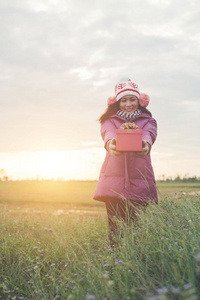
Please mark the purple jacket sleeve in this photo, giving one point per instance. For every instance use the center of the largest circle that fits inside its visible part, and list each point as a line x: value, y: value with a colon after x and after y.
x: 150, y: 131
x: 108, y: 131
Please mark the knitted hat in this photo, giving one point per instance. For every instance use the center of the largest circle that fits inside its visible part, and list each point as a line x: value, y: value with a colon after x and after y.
x: 126, y: 87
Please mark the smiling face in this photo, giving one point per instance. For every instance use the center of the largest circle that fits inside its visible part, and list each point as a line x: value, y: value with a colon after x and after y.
x: 129, y: 103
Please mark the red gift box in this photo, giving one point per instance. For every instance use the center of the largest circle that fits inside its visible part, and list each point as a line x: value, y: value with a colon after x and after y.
x: 129, y: 139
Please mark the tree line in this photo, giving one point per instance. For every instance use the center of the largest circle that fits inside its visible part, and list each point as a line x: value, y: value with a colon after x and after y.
x: 3, y: 175
x: 162, y: 178
x: 179, y: 178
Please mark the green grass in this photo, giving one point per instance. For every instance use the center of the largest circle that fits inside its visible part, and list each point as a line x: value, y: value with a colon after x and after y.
x: 67, y: 193
x: 75, y: 192
x: 172, y: 187
x: 44, y: 255
x: 49, y: 194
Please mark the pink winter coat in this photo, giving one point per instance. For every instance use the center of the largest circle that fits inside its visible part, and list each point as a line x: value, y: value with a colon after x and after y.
x: 127, y: 175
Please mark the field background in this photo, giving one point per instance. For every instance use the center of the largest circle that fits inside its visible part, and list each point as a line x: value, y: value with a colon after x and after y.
x: 69, y: 194
x: 53, y: 244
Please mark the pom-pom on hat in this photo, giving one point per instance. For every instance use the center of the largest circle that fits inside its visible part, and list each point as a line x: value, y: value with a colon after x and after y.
x: 111, y: 100
x: 126, y: 87
x: 144, y: 100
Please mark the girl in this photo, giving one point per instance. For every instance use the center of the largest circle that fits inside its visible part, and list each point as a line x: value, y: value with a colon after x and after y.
x: 126, y: 179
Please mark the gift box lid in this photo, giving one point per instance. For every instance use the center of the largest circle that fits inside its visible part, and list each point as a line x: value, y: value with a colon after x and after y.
x: 129, y: 131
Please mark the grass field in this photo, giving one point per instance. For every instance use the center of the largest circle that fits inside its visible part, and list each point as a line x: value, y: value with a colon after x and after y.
x: 68, y: 194
x: 53, y: 245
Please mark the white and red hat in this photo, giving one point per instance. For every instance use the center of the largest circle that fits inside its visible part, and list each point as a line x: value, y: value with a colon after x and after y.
x: 126, y: 87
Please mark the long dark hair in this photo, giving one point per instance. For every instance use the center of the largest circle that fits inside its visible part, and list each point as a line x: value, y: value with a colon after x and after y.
x: 113, y: 108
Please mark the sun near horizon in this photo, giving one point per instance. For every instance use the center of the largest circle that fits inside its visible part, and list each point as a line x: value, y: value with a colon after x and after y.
x: 81, y: 164
x: 66, y: 165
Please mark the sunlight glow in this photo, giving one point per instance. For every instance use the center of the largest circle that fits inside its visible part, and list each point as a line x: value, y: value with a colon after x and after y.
x: 67, y: 165
x: 85, y: 164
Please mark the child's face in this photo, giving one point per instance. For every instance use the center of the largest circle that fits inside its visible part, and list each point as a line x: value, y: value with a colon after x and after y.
x: 129, y: 103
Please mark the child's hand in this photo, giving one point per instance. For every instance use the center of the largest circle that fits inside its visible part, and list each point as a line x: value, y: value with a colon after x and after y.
x: 124, y: 126
x: 145, y: 149
x: 111, y: 147
x: 129, y: 126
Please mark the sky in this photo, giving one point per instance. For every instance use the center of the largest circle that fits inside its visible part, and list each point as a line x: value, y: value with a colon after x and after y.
x: 60, y: 61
